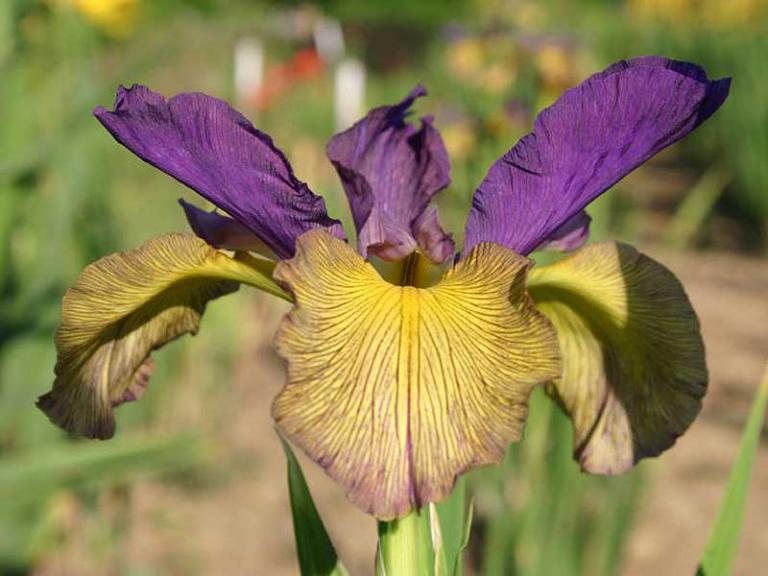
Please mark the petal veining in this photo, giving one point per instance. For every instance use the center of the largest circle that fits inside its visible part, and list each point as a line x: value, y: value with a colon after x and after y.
x: 396, y: 390
x: 123, y: 307
x: 634, y: 369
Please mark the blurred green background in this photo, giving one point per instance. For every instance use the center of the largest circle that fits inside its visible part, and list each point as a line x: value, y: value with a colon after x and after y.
x: 194, y: 481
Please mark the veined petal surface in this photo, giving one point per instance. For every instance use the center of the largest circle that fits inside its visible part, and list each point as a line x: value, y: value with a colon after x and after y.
x: 396, y: 390
x: 207, y: 145
x: 123, y: 307
x: 634, y: 369
x: 390, y: 170
x: 593, y: 136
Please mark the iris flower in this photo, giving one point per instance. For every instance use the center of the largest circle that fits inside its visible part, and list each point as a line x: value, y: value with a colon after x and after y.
x: 397, y: 384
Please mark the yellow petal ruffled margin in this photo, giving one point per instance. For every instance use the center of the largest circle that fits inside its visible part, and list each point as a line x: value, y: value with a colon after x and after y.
x: 396, y: 390
x: 126, y: 305
x: 634, y: 369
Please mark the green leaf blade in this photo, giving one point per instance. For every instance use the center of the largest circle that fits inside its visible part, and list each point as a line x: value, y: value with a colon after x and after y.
x: 449, y: 521
x: 315, y: 551
x: 720, y: 553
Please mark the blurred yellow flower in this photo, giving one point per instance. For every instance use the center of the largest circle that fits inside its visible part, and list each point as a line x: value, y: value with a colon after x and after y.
x: 486, y: 63
x: 530, y: 16
x: 116, y: 18
x: 710, y: 13
x: 523, y: 14
x: 459, y: 139
x: 465, y: 57
x: 555, y: 66
x: 498, y: 77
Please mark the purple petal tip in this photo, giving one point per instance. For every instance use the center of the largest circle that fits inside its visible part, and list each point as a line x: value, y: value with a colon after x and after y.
x: 593, y: 136
x: 391, y: 169
x: 210, y: 147
x: 418, y: 91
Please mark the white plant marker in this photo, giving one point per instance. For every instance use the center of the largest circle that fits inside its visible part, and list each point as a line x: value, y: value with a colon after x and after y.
x: 249, y: 70
x: 349, y: 92
x: 329, y: 40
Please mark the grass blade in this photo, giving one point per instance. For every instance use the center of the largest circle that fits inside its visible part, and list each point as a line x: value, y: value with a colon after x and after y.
x: 317, y: 556
x: 457, y: 570
x: 448, y: 527
x: 723, y: 544
x: 35, y: 474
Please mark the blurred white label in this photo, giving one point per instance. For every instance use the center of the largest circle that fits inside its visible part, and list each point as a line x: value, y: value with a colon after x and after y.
x: 349, y: 92
x: 249, y: 69
x: 329, y: 39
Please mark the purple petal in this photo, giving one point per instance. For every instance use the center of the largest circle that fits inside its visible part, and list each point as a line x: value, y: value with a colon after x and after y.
x: 202, y: 142
x: 222, y: 231
x: 432, y: 237
x: 390, y: 170
x: 570, y: 236
x: 593, y: 136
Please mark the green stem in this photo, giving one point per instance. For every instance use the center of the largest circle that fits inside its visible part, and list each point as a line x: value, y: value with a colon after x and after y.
x: 405, y: 546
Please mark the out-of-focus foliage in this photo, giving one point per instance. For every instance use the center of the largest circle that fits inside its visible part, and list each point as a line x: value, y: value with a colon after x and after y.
x: 538, y: 514
x: 727, y: 38
x: 720, y: 554
x: 60, y: 208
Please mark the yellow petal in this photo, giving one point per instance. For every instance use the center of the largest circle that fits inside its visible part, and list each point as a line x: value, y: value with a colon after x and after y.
x: 634, y: 370
x: 126, y: 305
x: 396, y: 390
